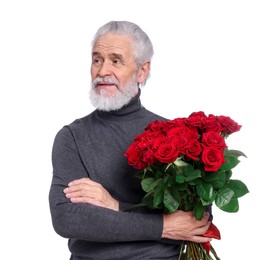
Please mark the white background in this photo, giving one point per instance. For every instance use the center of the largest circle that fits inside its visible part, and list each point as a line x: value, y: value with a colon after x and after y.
x: 216, y: 56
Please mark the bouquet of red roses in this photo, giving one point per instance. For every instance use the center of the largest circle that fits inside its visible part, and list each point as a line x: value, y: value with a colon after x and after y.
x: 185, y: 164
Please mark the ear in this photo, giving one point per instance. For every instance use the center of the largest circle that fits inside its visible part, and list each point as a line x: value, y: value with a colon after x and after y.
x: 143, y: 72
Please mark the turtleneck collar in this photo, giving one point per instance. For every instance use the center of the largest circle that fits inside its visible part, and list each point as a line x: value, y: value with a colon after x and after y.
x: 133, y: 106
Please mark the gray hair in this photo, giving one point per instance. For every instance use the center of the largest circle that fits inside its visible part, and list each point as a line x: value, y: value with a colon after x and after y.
x: 142, y: 49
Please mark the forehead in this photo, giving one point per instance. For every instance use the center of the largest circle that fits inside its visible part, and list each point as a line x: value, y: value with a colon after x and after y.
x: 113, y: 43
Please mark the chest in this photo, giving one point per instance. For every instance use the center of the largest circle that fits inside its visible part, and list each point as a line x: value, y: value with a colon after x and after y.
x: 103, y: 156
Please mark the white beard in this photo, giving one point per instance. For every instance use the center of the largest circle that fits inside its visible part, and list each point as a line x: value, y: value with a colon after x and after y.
x: 117, y: 100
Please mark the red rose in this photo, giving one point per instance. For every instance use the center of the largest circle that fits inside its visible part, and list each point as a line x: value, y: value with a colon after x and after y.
x: 166, y: 153
x: 181, y: 137
x: 154, y: 126
x: 148, y: 157
x: 193, y: 150
x: 180, y: 142
x: 159, y: 126
x: 229, y: 126
x: 178, y: 121
x: 195, y: 119
x: 211, y: 123
x: 157, y: 142
x: 146, y: 140
x: 177, y: 131
x: 193, y: 122
x: 213, y: 139
x: 212, y: 159
x: 197, y: 114
x: 134, y: 156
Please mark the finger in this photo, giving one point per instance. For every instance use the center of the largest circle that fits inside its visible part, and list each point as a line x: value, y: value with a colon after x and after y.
x: 79, y: 181
x: 201, y: 230
x: 86, y: 200
x: 82, y: 184
x: 200, y: 239
x: 203, y: 221
x: 84, y: 191
x: 75, y: 187
x: 76, y: 194
x: 83, y: 181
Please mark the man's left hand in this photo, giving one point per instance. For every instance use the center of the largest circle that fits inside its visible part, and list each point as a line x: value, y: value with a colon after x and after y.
x: 87, y: 191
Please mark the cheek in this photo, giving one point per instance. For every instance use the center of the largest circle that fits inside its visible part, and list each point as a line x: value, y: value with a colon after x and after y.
x: 127, y: 80
x: 126, y: 76
x: 93, y: 73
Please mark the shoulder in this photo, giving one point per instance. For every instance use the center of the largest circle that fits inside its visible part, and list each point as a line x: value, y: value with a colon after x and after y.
x: 153, y: 116
x: 79, y: 125
x: 80, y: 122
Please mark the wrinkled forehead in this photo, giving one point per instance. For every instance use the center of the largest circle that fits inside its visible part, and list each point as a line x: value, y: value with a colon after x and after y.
x: 110, y: 42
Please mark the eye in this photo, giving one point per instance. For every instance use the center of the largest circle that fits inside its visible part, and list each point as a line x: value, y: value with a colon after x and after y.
x: 97, y: 60
x: 117, y: 61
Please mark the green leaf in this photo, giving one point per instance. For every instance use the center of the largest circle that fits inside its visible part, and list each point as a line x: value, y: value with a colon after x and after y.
x: 172, y: 171
x: 182, y: 186
x: 227, y: 200
x: 168, y: 166
x: 199, y: 210
x: 235, y: 153
x: 139, y: 174
x: 149, y: 184
x: 217, y: 179
x: 238, y: 187
x: 209, y: 202
x: 159, y: 174
x: 179, y: 178
x: 228, y: 174
x: 148, y: 200
x: 187, y: 206
x: 230, y: 163
x: 170, y: 203
x: 191, y: 174
x: 205, y: 191
x: 175, y: 193
x: 158, y: 193
x: 179, y: 162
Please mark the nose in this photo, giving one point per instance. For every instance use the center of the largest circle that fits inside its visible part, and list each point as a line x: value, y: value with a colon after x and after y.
x: 104, y: 69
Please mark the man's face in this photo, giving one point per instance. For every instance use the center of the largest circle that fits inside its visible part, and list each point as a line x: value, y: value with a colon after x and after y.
x: 113, y: 70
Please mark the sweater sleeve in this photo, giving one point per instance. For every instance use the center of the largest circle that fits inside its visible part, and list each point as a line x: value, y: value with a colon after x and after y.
x: 86, y: 221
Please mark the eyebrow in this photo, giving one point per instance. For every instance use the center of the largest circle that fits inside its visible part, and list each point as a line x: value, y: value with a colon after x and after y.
x: 111, y: 55
x: 116, y: 55
x: 95, y: 53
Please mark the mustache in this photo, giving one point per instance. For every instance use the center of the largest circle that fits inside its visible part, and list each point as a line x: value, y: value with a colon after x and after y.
x: 108, y: 80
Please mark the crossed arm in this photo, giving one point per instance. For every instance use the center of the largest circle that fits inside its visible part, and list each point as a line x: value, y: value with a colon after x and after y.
x: 78, y: 206
x: 178, y: 225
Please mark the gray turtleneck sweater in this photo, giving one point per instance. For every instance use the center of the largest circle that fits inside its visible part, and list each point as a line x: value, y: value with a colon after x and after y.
x: 94, y: 147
